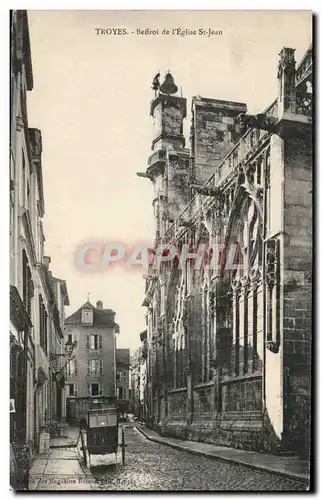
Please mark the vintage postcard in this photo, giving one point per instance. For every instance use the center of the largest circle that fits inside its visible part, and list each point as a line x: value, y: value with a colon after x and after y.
x: 160, y: 250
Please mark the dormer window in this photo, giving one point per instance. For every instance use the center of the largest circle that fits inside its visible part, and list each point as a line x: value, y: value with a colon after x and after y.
x: 87, y: 316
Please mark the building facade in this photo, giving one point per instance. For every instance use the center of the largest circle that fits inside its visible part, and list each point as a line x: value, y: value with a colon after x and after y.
x: 135, y: 383
x: 229, y: 293
x: 58, y: 357
x: 92, y: 372
x: 139, y: 380
x: 123, y: 373
x: 36, y: 325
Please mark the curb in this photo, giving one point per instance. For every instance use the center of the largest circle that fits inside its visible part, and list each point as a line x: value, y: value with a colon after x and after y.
x: 55, y: 446
x: 293, y: 477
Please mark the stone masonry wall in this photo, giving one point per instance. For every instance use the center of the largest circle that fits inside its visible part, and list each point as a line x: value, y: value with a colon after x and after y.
x: 178, y: 180
x: 297, y: 298
x: 176, y: 423
x: 215, y: 131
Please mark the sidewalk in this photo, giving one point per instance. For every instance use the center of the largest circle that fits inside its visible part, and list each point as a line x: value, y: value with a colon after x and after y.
x: 66, y: 442
x: 291, y: 467
x: 61, y: 468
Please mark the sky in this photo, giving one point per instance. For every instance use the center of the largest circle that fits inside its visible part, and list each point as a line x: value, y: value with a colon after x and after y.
x: 91, y: 100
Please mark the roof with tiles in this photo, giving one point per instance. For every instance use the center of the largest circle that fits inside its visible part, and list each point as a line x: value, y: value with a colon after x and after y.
x: 101, y: 317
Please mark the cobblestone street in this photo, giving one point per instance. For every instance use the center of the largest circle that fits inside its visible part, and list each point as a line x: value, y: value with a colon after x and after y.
x: 151, y: 466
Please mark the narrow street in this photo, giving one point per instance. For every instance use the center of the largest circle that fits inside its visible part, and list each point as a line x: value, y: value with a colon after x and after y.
x: 152, y: 466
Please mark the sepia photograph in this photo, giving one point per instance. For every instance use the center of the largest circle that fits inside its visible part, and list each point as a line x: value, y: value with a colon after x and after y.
x: 160, y: 218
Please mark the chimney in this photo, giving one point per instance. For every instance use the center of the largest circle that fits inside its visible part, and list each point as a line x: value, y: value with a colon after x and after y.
x: 99, y: 305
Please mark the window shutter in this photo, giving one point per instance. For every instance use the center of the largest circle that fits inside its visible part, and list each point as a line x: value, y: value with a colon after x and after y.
x: 75, y: 391
x: 88, y: 367
x: 87, y: 345
x: 100, y: 390
x: 100, y: 345
x: 88, y: 389
x: 101, y: 367
x: 41, y: 323
x: 46, y: 332
x: 75, y: 361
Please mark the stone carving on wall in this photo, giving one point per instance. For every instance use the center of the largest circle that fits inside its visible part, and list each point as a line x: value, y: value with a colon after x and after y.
x: 271, y: 263
x: 35, y: 142
x: 272, y: 279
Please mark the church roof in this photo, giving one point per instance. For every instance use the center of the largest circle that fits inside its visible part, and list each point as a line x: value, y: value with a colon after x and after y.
x: 101, y: 317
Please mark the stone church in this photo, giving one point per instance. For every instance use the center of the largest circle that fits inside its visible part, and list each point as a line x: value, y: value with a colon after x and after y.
x: 229, y: 345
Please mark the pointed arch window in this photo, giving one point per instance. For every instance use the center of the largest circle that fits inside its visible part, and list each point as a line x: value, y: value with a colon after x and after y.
x: 249, y: 239
x: 245, y: 304
x: 206, y: 337
x: 179, y: 333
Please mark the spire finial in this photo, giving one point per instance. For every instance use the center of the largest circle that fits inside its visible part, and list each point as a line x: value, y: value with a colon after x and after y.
x: 88, y: 294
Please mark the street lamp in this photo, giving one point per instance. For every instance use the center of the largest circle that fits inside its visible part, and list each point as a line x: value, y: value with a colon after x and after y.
x: 69, y: 349
x: 70, y: 346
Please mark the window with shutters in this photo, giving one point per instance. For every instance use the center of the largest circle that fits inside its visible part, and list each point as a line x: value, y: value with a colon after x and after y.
x: 71, y: 390
x: 96, y: 389
x: 28, y: 287
x: 43, y: 326
x: 23, y: 180
x: 95, y: 367
x: 72, y: 368
x: 87, y: 317
x: 94, y: 342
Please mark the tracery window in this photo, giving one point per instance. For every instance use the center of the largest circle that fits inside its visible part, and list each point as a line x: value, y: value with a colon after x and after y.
x: 205, y: 343
x: 245, y: 308
x: 179, y: 334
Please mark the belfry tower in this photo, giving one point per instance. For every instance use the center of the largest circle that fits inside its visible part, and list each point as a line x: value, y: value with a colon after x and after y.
x: 168, y: 165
